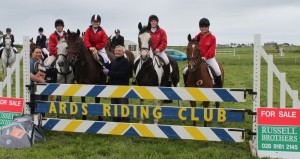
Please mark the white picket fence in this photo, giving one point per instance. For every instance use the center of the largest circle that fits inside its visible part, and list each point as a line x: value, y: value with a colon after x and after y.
x: 22, y: 59
x: 226, y: 52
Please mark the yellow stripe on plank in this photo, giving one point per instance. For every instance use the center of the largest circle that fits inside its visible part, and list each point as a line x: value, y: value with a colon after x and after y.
x: 119, y: 129
x: 144, y: 92
x: 195, y: 133
x: 72, y: 125
x: 120, y: 92
x: 72, y: 90
x: 197, y: 94
x: 143, y: 130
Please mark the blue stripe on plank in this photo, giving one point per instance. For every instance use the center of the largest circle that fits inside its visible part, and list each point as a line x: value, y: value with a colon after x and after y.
x: 169, y: 132
x: 95, y: 91
x: 131, y: 132
x: 132, y: 94
x: 170, y: 93
x: 49, y: 125
x: 225, y: 95
x: 95, y: 127
x: 49, y: 89
x: 223, y: 135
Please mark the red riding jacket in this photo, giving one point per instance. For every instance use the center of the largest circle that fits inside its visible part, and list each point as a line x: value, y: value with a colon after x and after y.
x: 159, y: 39
x: 207, y: 45
x: 97, y: 40
x: 53, y: 41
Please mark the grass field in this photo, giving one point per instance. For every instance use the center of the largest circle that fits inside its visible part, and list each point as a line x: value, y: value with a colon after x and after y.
x: 238, y: 74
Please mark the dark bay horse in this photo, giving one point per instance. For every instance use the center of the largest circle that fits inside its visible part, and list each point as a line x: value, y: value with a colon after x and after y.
x: 198, y: 73
x: 86, y: 69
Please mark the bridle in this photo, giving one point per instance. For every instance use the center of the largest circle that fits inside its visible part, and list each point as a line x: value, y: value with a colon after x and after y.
x: 195, y: 60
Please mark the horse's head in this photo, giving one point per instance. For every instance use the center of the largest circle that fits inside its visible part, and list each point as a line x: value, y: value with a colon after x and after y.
x: 74, y: 43
x: 144, y: 42
x: 193, y: 52
x: 7, y: 43
x: 109, y: 46
x: 62, y: 51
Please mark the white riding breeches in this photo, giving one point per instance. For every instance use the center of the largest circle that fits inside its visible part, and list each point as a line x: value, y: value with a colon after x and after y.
x: 1, y: 47
x: 50, y: 60
x: 215, y: 66
x: 103, y: 53
x: 15, y: 49
x: 45, y: 51
x: 164, y: 57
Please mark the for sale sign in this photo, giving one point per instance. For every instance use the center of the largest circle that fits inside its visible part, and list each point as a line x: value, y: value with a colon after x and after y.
x: 9, y: 108
x: 278, y: 132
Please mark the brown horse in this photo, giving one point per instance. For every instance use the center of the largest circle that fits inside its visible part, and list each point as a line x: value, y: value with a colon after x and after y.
x: 198, y: 73
x: 111, y: 48
x: 86, y: 69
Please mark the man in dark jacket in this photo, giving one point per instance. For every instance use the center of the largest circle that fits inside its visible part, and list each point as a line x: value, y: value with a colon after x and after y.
x: 119, y: 74
x: 118, y: 39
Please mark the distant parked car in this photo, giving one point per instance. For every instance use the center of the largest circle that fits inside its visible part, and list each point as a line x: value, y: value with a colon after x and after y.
x: 177, y: 55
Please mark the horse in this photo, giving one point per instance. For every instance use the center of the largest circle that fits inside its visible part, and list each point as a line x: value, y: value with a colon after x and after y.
x: 86, y: 69
x: 198, y: 71
x: 8, y: 56
x: 64, y: 70
x: 111, y: 48
x: 149, y: 67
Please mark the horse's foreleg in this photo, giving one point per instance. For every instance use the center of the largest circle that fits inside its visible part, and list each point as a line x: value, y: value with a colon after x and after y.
x: 58, y: 98
x: 142, y: 101
x: 193, y: 104
x: 97, y: 100
x: 205, y: 105
x: 83, y: 101
x: 71, y: 100
x: 217, y: 104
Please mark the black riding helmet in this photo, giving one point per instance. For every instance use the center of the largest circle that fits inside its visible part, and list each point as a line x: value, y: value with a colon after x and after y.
x: 41, y: 29
x: 153, y: 17
x: 8, y: 30
x: 96, y: 18
x: 204, y: 22
x: 59, y: 22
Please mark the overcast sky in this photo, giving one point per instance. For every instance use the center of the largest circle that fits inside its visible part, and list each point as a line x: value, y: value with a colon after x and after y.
x: 232, y: 21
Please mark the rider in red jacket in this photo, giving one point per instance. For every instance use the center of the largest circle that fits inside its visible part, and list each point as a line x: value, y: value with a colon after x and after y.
x: 53, y: 40
x: 159, y: 44
x: 208, y: 48
x: 95, y: 38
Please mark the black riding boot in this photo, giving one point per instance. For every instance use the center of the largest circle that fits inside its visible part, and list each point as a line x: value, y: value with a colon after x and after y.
x: 1, y: 52
x: 167, y: 79
x: 218, y: 81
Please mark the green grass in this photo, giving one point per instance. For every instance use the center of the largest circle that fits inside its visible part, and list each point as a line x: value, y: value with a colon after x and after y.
x: 238, y: 74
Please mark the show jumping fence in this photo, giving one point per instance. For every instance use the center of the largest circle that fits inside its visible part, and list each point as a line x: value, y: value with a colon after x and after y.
x: 22, y: 61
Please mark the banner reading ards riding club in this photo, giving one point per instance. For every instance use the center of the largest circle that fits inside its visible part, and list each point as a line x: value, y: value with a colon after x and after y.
x: 9, y: 108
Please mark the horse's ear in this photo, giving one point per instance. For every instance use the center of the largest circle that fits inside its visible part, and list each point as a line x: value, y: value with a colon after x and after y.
x: 78, y: 32
x: 140, y: 26
x: 189, y: 38
x: 68, y: 32
x: 198, y: 38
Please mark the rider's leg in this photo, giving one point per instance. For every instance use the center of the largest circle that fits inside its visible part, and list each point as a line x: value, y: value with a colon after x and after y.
x: 103, y: 53
x: 215, y: 66
x: 15, y: 49
x: 45, y: 51
x: 166, y: 68
x: 51, y: 59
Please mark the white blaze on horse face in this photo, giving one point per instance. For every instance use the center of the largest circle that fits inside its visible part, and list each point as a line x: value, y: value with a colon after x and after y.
x: 62, y: 50
x: 145, y: 38
x: 193, y: 46
x: 144, y: 54
x: 7, y: 43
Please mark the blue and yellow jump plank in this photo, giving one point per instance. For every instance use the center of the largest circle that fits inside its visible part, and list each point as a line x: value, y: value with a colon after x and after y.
x: 141, y: 92
x: 146, y: 130
x: 142, y: 111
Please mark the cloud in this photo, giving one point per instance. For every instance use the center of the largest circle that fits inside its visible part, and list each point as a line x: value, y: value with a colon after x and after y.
x: 231, y: 21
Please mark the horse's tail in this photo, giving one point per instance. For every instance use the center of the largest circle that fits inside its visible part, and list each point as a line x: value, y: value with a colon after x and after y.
x: 175, y: 77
